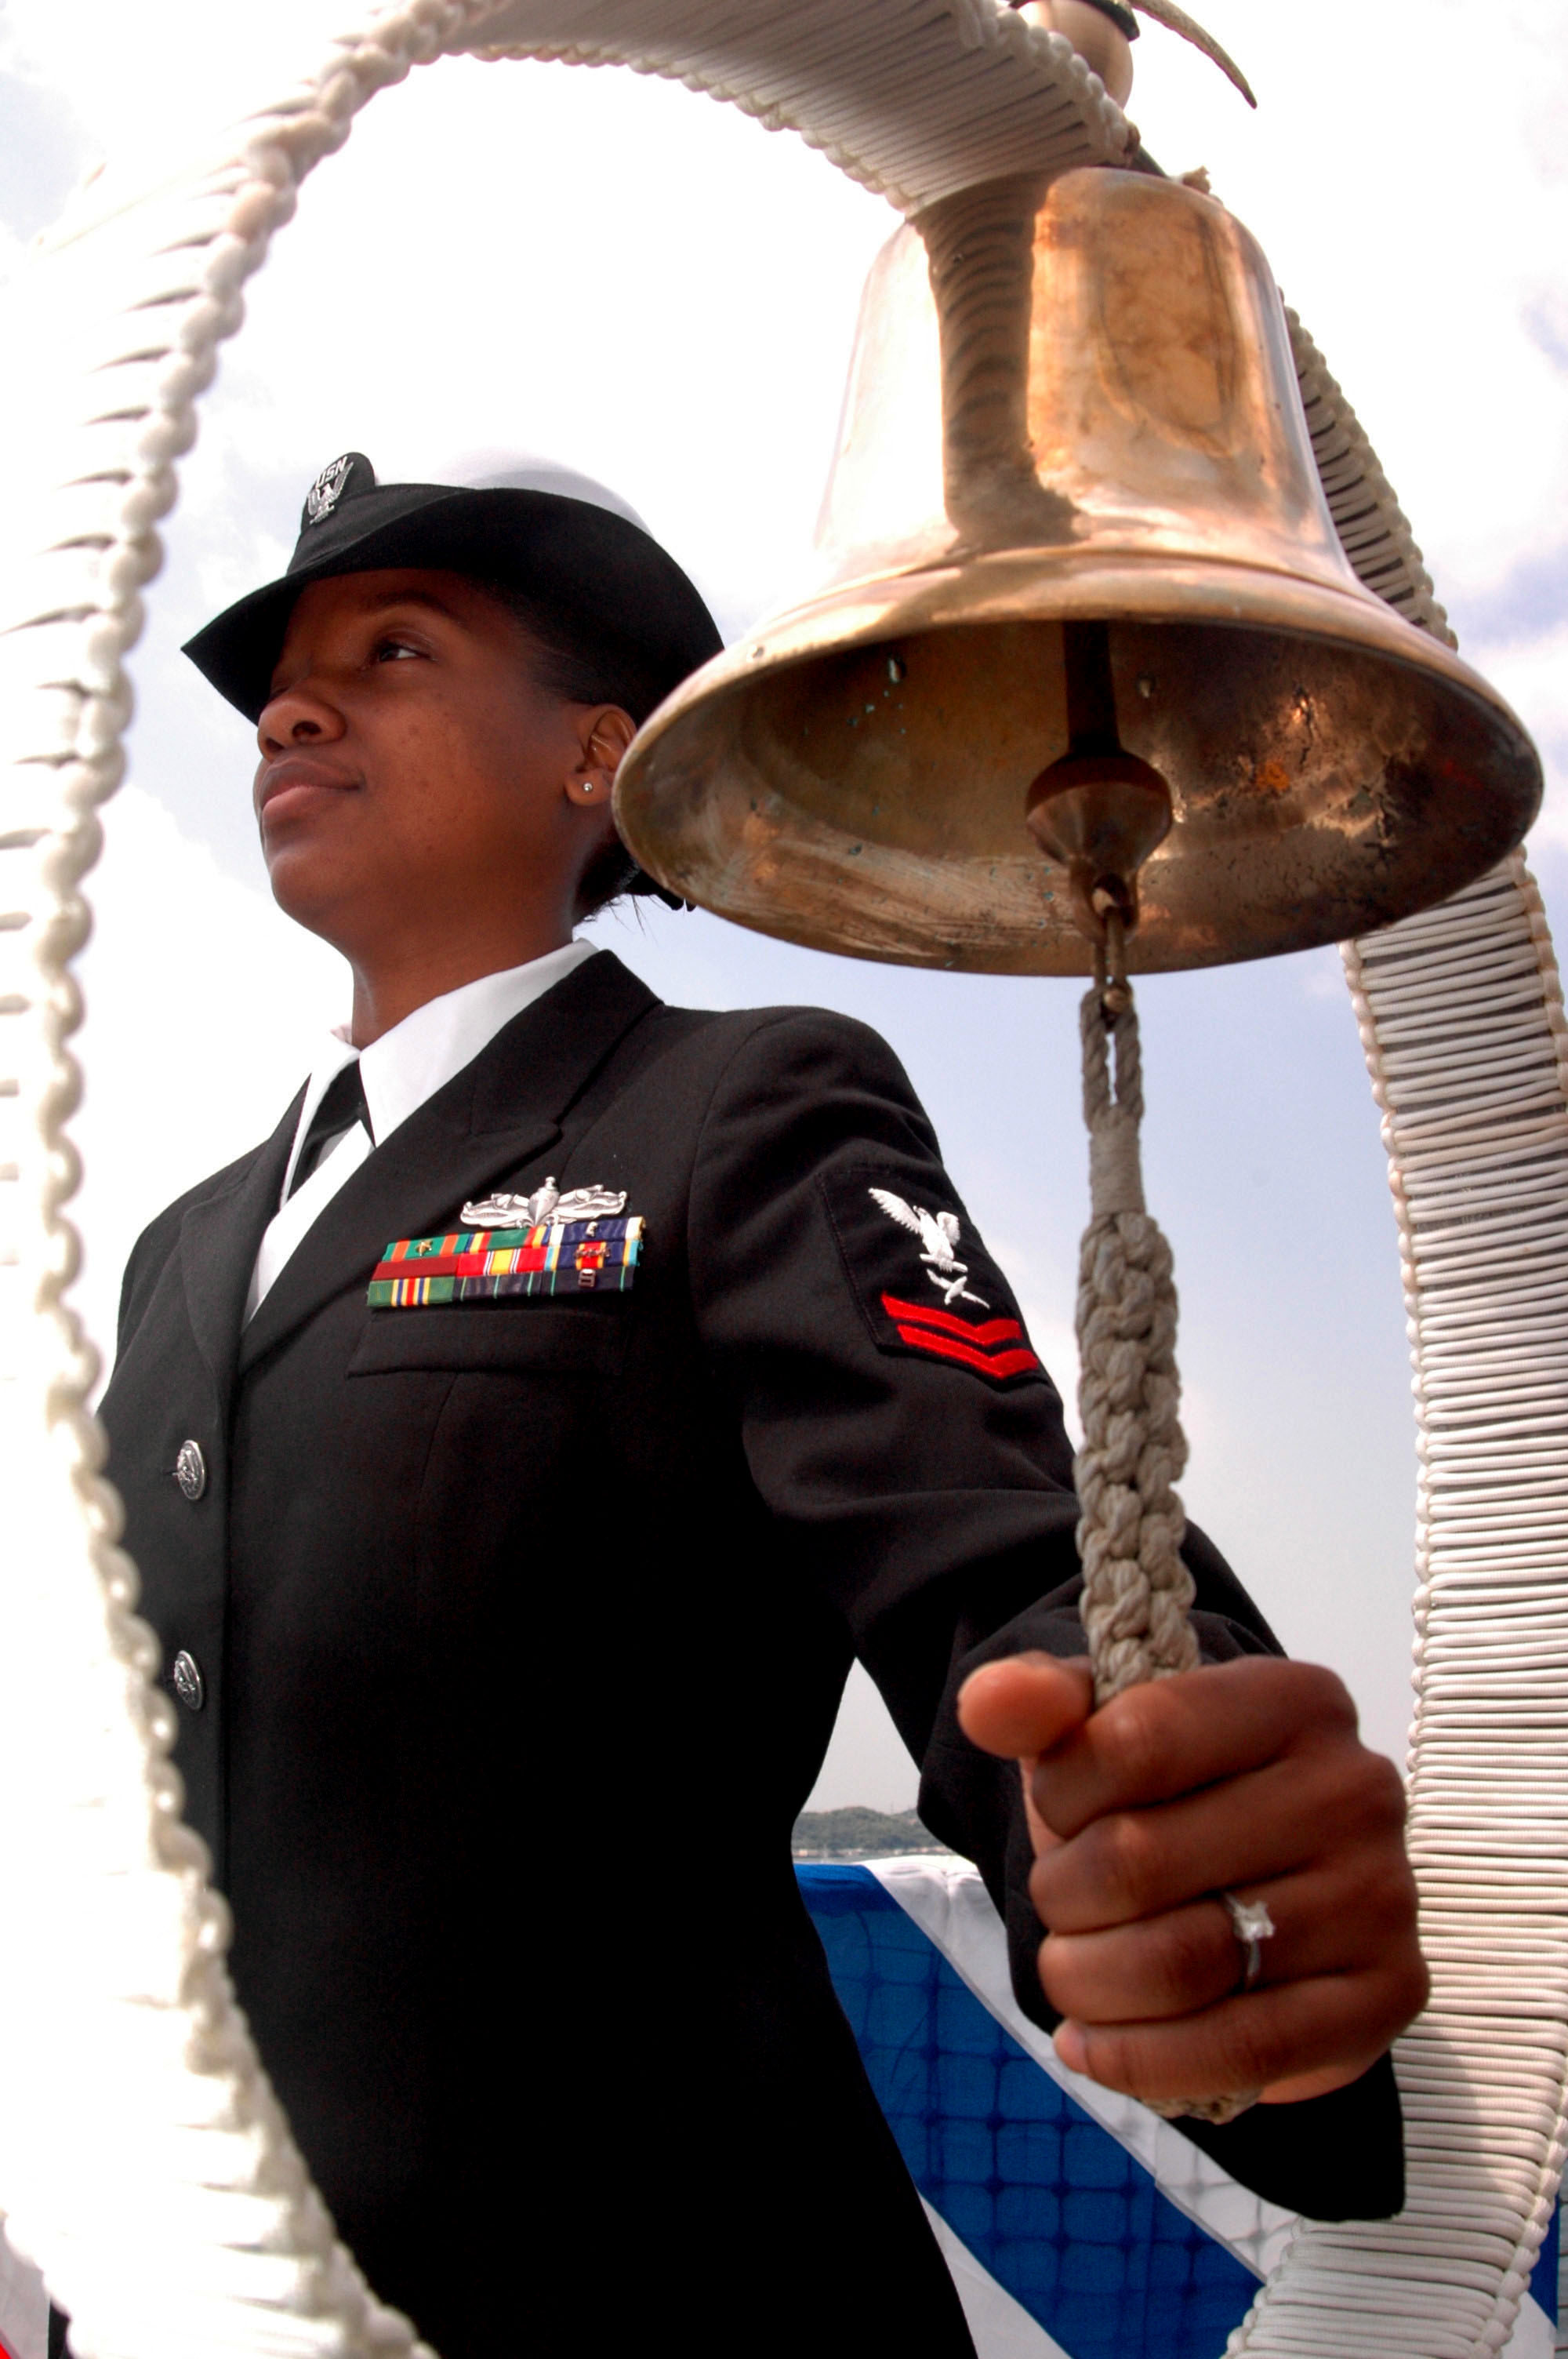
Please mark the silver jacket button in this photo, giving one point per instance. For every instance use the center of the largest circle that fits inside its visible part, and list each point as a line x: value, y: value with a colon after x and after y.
x: 188, y: 1684
x: 190, y: 1470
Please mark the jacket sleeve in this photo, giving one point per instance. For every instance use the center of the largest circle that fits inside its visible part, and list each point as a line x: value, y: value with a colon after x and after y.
x: 897, y: 1424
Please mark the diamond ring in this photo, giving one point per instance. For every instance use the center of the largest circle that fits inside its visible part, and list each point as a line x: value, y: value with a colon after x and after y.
x: 1252, y: 1925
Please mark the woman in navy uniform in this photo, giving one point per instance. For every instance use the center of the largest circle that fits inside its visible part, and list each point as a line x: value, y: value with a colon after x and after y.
x: 523, y: 1441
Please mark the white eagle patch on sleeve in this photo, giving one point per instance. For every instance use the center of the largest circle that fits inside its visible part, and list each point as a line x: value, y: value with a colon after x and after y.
x: 938, y: 1233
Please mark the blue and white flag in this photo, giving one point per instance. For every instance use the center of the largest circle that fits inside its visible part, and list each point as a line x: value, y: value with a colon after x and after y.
x: 1076, y: 2224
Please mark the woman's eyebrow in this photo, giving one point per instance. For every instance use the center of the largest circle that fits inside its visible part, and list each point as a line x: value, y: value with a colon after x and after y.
x: 404, y: 600
x: 413, y: 598
x: 382, y: 607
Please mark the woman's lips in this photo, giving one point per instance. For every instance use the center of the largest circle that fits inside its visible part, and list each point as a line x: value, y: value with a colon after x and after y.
x: 290, y: 789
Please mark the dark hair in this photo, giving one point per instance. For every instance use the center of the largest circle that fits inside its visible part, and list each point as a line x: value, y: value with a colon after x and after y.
x: 581, y: 665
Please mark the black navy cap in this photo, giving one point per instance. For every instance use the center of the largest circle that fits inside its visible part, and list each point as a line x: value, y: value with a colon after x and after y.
x: 539, y: 529
x: 532, y: 527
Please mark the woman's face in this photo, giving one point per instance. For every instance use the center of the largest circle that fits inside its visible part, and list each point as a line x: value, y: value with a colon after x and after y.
x: 416, y: 781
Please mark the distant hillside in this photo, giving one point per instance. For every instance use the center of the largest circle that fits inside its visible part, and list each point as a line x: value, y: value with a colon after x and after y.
x: 861, y: 1834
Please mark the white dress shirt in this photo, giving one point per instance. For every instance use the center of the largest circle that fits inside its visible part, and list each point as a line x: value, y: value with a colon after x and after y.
x: 397, y: 1074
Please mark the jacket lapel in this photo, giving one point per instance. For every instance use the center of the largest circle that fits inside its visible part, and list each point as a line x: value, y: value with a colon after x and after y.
x: 219, y: 1239
x: 496, y: 1116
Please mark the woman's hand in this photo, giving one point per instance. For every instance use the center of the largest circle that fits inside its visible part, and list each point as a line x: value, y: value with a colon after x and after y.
x: 1246, y: 1777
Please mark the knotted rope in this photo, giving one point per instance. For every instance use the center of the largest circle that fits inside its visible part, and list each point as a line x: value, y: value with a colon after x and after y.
x: 1136, y: 1590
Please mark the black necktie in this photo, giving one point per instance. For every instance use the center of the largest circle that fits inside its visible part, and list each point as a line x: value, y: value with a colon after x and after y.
x: 342, y: 1105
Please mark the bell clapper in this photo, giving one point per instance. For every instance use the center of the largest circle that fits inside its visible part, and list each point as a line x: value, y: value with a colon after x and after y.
x: 1110, y: 953
x: 1099, y: 812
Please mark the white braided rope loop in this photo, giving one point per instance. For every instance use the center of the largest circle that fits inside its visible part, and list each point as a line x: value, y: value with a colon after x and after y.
x: 913, y: 98
x: 1372, y: 527
x: 1461, y: 1016
x: 1137, y: 1591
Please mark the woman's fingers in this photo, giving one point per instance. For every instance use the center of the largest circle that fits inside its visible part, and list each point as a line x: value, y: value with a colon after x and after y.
x: 1246, y: 1777
x: 1331, y: 2026
x: 1025, y: 1705
x: 1169, y: 1737
x: 1326, y: 1922
x: 1329, y: 1801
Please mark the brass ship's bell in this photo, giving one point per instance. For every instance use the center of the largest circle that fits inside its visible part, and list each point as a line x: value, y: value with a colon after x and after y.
x: 1075, y: 531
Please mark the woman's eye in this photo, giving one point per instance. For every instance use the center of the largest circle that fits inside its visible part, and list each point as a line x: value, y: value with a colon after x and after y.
x: 391, y: 650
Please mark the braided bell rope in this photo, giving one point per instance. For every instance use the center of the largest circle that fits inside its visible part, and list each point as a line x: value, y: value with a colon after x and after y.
x: 143, y: 2160
x: 1136, y: 1590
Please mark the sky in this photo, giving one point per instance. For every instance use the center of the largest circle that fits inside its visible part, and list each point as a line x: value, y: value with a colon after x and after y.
x: 647, y: 286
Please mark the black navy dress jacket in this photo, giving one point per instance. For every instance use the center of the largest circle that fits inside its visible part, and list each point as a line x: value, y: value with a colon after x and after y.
x: 522, y: 1627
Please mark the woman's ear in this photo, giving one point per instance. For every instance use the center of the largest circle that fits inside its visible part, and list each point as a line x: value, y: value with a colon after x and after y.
x: 607, y: 730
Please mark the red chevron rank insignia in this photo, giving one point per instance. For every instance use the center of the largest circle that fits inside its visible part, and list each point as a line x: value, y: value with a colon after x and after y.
x: 997, y: 1348
x: 924, y: 1283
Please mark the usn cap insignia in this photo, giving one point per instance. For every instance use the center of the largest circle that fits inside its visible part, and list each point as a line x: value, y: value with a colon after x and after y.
x: 923, y: 1285
x: 550, y: 1257
x: 351, y: 471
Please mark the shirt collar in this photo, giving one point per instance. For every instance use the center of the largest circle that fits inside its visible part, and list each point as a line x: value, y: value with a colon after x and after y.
x: 419, y: 1056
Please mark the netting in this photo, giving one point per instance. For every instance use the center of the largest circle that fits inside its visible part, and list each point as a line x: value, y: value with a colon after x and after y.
x: 1116, y: 2242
